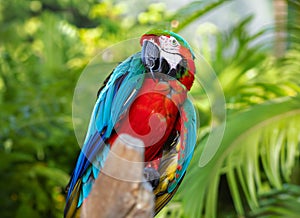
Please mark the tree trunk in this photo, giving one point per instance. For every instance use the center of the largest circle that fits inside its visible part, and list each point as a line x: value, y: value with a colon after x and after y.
x: 280, y: 13
x: 120, y: 189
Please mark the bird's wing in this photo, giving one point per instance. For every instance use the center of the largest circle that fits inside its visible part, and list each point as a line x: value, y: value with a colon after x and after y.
x: 175, y: 161
x: 113, y: 99
x: 187, y: 142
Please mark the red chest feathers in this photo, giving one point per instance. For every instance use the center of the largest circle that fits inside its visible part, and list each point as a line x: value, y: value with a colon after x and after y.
x: 153, y: 114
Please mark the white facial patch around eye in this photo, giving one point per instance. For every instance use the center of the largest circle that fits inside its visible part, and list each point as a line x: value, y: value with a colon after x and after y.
x: 172, y: 59
x: 169, y: 44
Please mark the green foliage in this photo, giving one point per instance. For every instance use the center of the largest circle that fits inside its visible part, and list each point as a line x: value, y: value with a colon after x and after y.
x: 279, y: 203
x: 191, y: 12
x: 247, y: 72
x: 44, y: 47
x: 258, y: 156
x: 251, y: 137
x: 42, y: 55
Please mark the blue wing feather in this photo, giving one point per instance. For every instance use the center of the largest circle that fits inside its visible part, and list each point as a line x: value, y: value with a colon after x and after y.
x: 188, y: 137
x: 191, y: 132
x: 112, y: 101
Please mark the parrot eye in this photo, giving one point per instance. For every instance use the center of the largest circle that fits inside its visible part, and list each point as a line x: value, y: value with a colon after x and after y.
x: 174, y: 42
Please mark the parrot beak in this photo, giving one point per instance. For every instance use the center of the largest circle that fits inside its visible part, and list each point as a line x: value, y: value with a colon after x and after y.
x: 151, y: 56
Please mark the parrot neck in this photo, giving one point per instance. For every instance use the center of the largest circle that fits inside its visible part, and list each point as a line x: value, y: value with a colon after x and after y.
x: 188, y: 77
x: 187, y: 80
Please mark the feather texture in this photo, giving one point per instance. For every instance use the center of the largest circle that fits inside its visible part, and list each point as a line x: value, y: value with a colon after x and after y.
x: 152, y: 106
x: 109, y: 106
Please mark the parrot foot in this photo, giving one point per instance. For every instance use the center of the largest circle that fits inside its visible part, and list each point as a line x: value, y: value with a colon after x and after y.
x: 152, y: 176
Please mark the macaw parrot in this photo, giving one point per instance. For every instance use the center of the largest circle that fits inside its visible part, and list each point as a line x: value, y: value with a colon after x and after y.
x: 145, y: 96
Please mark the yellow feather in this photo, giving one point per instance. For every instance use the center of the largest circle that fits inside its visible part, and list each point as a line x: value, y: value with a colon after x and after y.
x: 72, y: 210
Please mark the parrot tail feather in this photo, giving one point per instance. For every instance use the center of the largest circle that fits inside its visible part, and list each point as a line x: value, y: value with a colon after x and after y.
x: 162, y: 199
x: 71, y: 210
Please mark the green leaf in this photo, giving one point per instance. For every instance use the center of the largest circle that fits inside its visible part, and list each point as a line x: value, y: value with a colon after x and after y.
x: 193, y: 11
x: 240, y: 126
x: 60, y: 177
x: 11, y: 159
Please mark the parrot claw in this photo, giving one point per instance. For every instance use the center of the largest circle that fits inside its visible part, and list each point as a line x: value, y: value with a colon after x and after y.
x: 152, y: 176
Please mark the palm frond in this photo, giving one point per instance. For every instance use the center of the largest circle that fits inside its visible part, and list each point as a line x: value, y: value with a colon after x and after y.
x: 256, y: 154
x: 188, y: 14
x: 279, y: 203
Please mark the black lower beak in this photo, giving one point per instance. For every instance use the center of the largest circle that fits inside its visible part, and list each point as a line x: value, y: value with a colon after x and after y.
x: 151, y: 56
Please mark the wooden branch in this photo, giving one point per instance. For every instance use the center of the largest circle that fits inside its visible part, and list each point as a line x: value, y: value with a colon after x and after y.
x: 120, y: 190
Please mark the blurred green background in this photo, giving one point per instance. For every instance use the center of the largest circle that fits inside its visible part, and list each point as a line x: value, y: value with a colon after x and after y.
x: 253, y: 49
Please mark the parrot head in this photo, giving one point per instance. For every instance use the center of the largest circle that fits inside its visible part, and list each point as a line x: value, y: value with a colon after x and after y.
x: 168, y: 53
